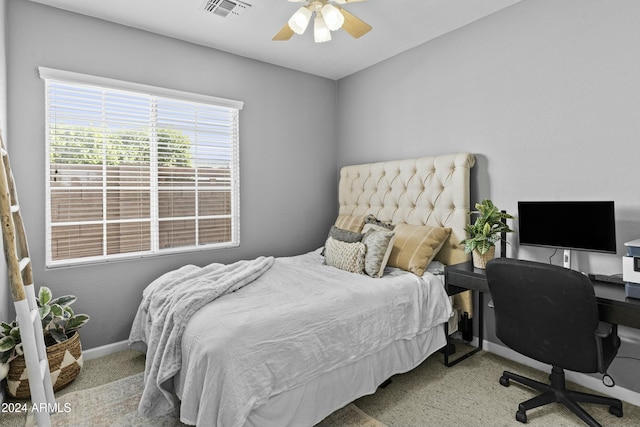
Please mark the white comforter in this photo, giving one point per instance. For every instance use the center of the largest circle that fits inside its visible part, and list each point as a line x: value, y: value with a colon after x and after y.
x: 168, y: 304
x: 297, y: 321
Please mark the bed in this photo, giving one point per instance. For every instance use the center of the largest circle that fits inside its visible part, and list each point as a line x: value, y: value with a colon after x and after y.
x: 288, y: 341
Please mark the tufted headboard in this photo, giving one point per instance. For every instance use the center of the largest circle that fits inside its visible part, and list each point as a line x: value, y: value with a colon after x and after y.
x: 424, y: 191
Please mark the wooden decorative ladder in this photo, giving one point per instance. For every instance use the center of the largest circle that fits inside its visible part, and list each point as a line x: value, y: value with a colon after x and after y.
x: 16, y: 253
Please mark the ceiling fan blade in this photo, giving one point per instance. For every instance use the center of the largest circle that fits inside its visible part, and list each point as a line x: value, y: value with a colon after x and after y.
x: 284, y: 34
x: 341, y: 1
x: 354, y: 25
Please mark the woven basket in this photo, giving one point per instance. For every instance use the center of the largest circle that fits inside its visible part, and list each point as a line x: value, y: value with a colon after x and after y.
x: 65, y: 363
x: 481, y: 260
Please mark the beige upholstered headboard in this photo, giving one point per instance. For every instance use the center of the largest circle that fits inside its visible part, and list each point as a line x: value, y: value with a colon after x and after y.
x: 424, y: 191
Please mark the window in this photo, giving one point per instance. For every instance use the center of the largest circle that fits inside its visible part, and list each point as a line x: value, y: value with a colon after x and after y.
x: 135, y: 170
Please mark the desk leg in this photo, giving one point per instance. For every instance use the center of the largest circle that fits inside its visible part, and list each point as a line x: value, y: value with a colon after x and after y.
x: 449, y: 363
x: 480, y: 320
x: 447, y: 346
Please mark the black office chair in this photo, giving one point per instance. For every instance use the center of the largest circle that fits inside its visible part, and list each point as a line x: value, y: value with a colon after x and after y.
x: 550, y: 314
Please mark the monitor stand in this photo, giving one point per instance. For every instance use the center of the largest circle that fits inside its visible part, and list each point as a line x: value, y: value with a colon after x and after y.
x: 566, y: 259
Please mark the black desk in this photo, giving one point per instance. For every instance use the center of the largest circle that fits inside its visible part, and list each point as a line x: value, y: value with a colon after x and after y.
x: 613, y: 304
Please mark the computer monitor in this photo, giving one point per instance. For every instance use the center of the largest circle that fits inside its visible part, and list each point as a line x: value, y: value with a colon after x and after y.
x: 568, y: 225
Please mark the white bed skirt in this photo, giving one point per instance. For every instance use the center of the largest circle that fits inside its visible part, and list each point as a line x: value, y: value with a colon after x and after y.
x: 311, y: 403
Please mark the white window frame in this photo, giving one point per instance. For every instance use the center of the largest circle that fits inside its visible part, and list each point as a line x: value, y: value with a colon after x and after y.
x: 154, y: 91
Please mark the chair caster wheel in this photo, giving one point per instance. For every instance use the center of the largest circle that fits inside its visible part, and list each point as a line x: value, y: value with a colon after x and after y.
x: 504, y: 381
x: 521, y: 417
x: 614, y: 410
x: 608, y: 381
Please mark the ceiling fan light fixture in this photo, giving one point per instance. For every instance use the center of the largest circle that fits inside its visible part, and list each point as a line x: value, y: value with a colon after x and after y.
x: 329, y: 16
x: 321, y: 32
x: 332, y: 16
x: 300, y: 20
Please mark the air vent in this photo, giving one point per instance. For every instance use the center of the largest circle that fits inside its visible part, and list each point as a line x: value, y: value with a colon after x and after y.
x: 225, y: 8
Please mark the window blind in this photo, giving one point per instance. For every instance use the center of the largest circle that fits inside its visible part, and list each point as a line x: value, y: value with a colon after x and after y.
x: 136, y: 172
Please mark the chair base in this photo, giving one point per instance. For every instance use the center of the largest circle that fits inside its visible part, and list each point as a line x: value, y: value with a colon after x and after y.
x: 556, y: 391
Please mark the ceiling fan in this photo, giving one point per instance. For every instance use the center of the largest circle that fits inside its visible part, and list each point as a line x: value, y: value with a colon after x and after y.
x: 329, y: 17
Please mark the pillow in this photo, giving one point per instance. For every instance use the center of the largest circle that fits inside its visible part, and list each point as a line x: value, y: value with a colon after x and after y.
x: 415, y: 246
x: 345, y: 235
x: 379, y: 243
x: 345, y: 256
x: 370, y: 219
x: 350, y: 222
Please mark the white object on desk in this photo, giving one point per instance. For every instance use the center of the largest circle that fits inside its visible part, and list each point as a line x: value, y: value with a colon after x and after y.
x: 630, y: 269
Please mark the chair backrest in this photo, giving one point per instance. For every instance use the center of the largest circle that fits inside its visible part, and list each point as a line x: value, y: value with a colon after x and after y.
x: 545, y: 312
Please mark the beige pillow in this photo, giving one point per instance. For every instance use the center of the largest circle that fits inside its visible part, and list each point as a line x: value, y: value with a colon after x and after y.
x: 350, y: 222
x: 345, y: 256
x: 415, y: 246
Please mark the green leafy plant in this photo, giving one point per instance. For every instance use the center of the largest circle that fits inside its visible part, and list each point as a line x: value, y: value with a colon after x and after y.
x: 59, y: 322
x: 485, y: 231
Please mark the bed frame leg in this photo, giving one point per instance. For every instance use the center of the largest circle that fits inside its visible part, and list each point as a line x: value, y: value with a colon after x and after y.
x: 385, y: 383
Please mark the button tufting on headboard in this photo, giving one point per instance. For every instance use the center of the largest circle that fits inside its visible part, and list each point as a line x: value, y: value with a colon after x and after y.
x: 427, y: 190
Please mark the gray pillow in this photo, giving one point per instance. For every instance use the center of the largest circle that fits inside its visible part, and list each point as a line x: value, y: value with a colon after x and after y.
x: 345, y: 235
x: 370, y: 219
x: 379, y: 243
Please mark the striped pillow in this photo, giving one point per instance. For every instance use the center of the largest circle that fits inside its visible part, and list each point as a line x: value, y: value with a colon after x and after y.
x: 350, y: 222
x: 415, y: 246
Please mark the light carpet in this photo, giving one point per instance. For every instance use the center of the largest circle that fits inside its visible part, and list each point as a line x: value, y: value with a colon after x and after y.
x: 116, y: 404
x: 467, y: 394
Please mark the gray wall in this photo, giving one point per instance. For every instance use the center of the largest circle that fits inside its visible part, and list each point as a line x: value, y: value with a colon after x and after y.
x: 545, y: 92
x: 287, y: 148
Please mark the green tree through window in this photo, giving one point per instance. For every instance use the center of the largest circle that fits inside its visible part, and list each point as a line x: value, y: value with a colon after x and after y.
x: 71, y: 144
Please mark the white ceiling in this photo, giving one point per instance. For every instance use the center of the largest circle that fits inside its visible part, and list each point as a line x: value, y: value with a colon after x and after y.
x: 398, y: 25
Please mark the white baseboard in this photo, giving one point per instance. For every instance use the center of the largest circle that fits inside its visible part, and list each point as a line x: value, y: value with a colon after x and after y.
x: 94, y: 353
x: 584, y: 380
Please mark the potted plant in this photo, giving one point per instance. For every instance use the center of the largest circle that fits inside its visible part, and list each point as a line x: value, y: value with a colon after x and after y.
x: 485, y: 232
x: 60, y: 329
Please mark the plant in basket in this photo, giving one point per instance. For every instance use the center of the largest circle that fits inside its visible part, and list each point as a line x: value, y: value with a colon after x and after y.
x: 485, y: 232
x: 60, y: 329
